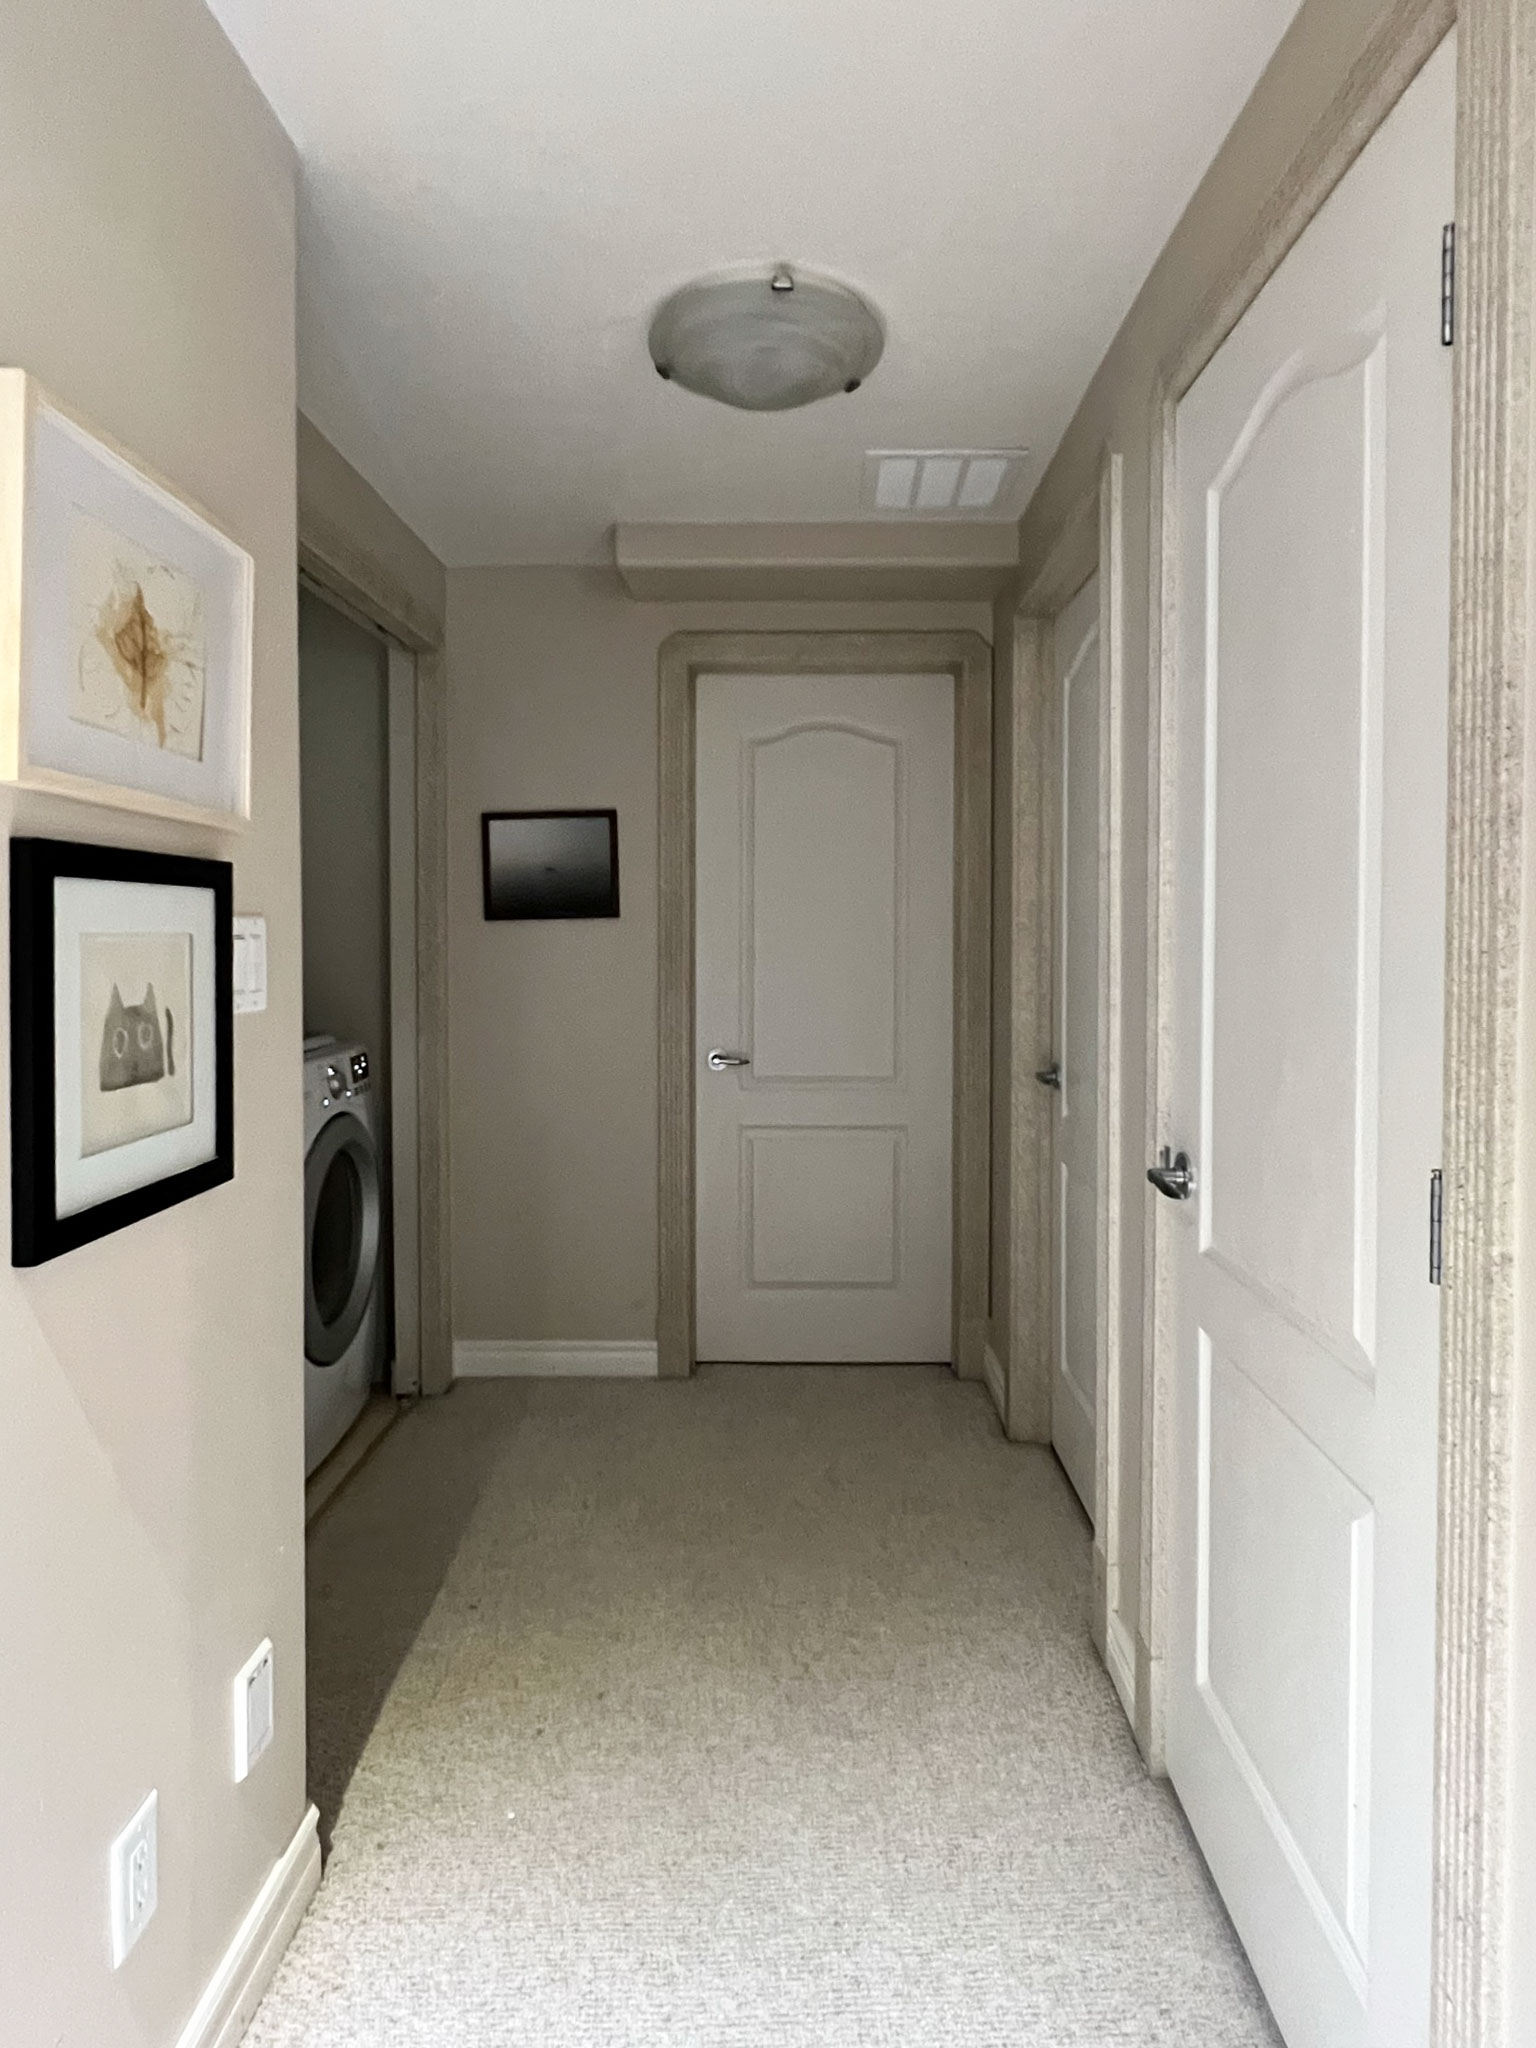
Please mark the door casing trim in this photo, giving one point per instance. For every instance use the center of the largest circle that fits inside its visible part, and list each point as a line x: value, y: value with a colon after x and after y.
x: 683, y: 658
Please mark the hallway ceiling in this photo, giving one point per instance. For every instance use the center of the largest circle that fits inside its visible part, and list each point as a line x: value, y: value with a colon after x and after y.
x: 496, y: 196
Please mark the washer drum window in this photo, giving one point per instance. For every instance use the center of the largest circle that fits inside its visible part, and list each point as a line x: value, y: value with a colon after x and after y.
x: 342, y: 1216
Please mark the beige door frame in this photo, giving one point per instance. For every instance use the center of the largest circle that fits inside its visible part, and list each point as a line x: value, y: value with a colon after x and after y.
x: 1489, y: 1155
x: 684, y: 657
x: 1091, y: 540
x: 352, y: 580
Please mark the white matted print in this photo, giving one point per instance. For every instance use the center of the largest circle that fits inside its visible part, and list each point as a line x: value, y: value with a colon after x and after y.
x: 134, y: 992
x: 135, y: 1036
x: 125, y: 626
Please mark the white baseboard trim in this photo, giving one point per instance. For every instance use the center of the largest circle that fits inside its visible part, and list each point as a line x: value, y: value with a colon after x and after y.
x: 1120, y: 1662
x: 997, y: 1384
x: 235, y: 1989
x: 506, y: 1358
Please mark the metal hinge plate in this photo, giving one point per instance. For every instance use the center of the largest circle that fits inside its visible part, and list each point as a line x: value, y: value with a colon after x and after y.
x: 1436, y: 1229
x: 1448, y: 284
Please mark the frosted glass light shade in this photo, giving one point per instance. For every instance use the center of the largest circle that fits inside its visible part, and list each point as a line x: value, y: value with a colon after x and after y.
x: 764, y: 346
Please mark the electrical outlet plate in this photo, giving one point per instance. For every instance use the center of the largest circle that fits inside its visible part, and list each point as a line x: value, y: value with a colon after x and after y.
x: 135, y: 1877
x: 253, y: 1711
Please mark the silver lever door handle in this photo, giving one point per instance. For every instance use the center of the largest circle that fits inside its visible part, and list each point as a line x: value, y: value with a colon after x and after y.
x: 1050, y: 1077
x: 1173, y: 1176
x: 718, y: 1061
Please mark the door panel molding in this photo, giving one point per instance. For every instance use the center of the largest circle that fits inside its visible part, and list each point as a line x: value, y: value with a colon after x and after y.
x: 966, y: 657
x: 1483, y: 1980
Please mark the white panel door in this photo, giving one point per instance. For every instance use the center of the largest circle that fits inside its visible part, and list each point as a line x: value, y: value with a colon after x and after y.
x: 825, y: 893
x: 1075, y: 1222
x: 1308, y: 924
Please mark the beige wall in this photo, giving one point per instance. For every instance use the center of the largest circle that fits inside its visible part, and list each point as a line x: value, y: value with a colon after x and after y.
x: 1324, y: 41
x: 151, y: 1527
x: 552, y: 703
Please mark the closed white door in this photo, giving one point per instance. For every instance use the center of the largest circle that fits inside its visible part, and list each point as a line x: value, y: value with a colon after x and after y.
x: 1074, y: 1380
x: 824, y: 1021
x: 1308, y: 920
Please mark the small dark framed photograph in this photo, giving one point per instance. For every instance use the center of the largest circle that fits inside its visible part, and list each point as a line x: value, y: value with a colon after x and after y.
x: 550, y: 863
x: 122, y: 1075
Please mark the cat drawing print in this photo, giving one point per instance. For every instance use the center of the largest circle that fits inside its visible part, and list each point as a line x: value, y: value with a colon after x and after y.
x: 134, y: 1049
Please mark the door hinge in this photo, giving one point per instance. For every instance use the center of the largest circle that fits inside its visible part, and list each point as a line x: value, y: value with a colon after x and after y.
x: 1436, y: 1229
x: 1448, y: 284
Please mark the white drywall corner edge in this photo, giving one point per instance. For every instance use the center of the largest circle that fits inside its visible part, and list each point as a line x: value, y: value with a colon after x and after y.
x: 498, y: 1358
x: 997, y: 1386
x: 235, y: 1989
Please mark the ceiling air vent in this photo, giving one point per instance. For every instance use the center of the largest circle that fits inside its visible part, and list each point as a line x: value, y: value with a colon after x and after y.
x: 944, y: 483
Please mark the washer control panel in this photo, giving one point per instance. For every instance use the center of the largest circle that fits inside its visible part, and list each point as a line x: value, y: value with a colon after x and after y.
x: 338, y: 1077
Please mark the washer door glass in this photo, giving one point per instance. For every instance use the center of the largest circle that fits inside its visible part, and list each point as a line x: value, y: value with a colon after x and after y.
x: 341, y: 1227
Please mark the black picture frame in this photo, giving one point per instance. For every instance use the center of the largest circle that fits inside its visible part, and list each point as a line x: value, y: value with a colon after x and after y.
x: 567, y: 897
x: 38, y: 1232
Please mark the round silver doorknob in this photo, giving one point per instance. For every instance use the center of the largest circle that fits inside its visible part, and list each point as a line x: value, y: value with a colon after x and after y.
x: 718, y: 1060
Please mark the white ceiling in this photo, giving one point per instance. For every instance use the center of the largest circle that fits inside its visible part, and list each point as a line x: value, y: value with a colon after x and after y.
x: 498, y: 192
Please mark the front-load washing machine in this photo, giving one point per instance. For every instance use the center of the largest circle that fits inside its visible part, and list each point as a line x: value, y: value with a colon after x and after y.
x: 343, y: 1240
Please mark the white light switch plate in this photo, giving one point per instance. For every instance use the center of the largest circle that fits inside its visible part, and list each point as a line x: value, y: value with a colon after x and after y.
x: 250, y: 965
x: 253, y: 1711
x: 135, y: 1877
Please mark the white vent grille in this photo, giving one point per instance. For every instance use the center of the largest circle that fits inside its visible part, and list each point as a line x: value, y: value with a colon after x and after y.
x: 945, y: 483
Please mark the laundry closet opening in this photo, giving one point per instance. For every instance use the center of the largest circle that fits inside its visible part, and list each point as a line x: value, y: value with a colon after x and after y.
x: 356, y: 695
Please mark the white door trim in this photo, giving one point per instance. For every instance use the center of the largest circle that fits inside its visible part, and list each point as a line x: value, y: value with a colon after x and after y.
x: 1483, y: 1992
x: 966, y: 657
x: 404, y: 1056
x: 1092, y: 539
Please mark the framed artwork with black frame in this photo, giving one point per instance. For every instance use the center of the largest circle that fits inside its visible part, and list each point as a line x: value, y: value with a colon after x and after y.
x: 122, y: 1039
x: 540, y: 864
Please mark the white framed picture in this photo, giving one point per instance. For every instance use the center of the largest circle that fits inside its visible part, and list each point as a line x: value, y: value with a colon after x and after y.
x: 125, y: 626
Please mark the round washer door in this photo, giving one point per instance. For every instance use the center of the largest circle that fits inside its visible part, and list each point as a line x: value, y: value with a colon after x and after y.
x: 341, y: 1236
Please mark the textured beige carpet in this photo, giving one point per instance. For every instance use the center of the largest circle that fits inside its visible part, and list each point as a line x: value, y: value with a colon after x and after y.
x: 754, y: 1712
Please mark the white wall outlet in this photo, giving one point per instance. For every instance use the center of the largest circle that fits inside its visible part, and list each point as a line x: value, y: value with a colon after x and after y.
x: 135, y: 1875
x: 253, y: 1711
x: 250, y: 965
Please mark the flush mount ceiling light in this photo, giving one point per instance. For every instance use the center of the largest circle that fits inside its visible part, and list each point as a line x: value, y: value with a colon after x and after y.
x: 765, y: 344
